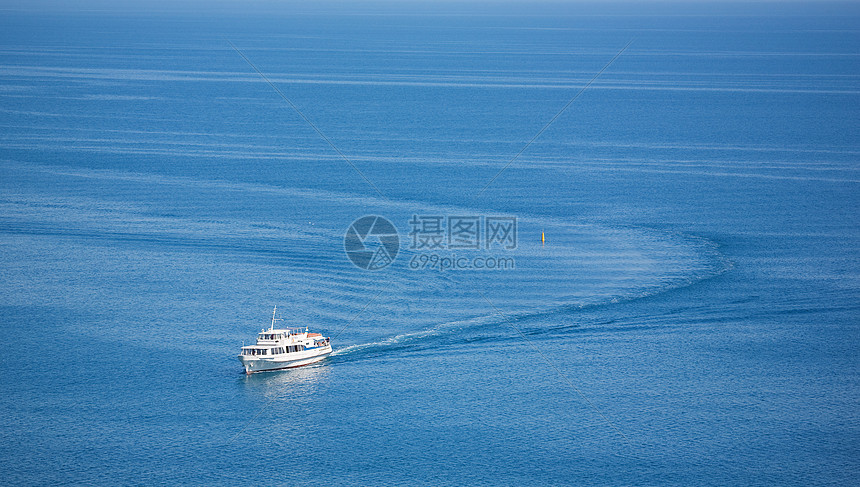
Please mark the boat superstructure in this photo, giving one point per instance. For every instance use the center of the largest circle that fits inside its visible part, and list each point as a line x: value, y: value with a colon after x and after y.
x: 284, y: 348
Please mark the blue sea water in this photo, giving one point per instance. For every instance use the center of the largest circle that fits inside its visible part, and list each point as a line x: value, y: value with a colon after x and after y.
x: 692, y: 318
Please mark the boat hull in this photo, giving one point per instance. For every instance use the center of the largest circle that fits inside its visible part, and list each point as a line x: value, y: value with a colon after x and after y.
x: 254, y: 365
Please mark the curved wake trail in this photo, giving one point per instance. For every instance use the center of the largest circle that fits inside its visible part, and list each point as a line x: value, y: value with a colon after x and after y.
x: 493, y: 328
x: 241, y: 267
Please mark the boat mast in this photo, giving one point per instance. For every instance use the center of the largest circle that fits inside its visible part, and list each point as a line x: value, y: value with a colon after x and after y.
x: 273, y: 318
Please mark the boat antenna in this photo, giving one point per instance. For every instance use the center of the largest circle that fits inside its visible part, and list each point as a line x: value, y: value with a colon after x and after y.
x: 273, y: 318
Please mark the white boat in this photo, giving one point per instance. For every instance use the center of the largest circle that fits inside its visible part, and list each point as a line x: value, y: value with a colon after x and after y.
x: 284, y: 348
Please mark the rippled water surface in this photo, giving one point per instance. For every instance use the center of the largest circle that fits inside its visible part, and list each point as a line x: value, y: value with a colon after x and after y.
x: 692, y: 318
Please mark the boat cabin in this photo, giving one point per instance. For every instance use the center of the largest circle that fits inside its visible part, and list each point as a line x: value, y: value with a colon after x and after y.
x: 257, y: 350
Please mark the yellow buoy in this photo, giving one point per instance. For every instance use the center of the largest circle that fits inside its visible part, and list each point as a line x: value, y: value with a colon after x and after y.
x: 542, y: 238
